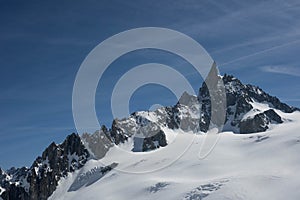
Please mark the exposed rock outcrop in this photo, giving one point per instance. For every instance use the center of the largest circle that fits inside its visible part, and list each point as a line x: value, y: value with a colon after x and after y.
x: 40, y: 180
x: 260, y: 122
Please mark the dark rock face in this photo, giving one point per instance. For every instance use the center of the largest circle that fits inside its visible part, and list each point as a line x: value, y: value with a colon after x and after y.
x: 173, y: 120
x: 257, y: 124
x: 117, y: 134
x: 211, y: 97
x: 155, y: 141
x: 260, y: 122
x: 13, y: 191
x: 273, y: 116
x: 261, y: 96
x: 40, y: 180
x: 240, y: 99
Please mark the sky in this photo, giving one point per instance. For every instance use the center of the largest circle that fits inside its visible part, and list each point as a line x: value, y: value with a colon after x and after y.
x: 43, y: 43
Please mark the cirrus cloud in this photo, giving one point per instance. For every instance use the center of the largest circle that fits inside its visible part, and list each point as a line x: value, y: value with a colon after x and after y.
x: 280, y: 69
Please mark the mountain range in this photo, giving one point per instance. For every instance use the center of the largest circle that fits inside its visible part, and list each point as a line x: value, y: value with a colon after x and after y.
x: 249, y: 111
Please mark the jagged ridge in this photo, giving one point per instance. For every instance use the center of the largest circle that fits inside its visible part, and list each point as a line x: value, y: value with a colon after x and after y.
x: 193, y: 113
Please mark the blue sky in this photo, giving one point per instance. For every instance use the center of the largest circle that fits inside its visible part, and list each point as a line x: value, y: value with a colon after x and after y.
x: 42, y: 45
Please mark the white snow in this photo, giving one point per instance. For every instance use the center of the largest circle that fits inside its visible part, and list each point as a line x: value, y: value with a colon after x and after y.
x: 1, y: 191
x: 258, y: 108
x: 250, y: 166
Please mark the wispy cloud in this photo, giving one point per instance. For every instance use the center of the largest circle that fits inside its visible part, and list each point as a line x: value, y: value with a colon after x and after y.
x: 249, y: 31
x: 260, y: 52
x: 291, y: 100
x: 279, y: 69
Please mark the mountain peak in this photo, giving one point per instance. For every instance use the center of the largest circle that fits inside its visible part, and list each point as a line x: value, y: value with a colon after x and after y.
x: 214, y: 71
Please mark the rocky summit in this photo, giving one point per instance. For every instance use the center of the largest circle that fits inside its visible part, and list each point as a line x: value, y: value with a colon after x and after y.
x: 248, y: 110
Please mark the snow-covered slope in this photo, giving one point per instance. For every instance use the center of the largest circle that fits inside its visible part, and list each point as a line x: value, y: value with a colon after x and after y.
x: 166, y: 143
x: 241, y: 166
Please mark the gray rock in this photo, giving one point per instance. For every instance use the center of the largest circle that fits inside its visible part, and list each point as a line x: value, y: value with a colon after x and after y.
x: 273, y: 116
x: 260, y: 122
x: 98, y: 143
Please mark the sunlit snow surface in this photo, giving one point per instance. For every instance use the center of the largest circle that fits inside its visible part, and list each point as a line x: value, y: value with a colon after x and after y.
x: 250, y: 166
